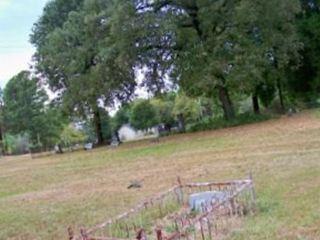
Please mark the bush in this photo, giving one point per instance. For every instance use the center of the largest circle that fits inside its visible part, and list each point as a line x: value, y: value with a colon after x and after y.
x: 36, y: 148
x: 16, y: 144
x: 70, y: 136
x: 218, y: 123
x: 143, y: 115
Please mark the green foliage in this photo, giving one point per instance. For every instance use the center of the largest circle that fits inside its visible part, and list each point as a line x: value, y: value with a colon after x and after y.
x: 26, y: 112
x: 106, y: 125
x: 52, y: 124
x: 122, y: 117
x: 81, y: 59
x: 16, y: 144
x: 24, y: 103
x: 266, y: 93
x: 71, y: 136
x: 187, y: 107
x: 89, y: 131
x: 143, y: 115
x: 91, y: 52
x: 54, y: 16
x: 164, y: 110
x: 167, y: 109
x: 218, y: 123
x: 106, y: 122
x: 304, y: 82
x: 211, y: 48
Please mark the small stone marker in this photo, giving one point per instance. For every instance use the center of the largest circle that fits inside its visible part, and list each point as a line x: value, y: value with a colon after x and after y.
x: 115, y: 141
x: 88, y: 146
x: 197, y: 200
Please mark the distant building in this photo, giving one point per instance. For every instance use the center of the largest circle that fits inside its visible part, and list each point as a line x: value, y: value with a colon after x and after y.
x: 128, y: 133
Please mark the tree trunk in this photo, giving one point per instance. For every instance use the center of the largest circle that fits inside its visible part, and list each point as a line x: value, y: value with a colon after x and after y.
x: 181, y: 123
x: 280, y: 95
x: 167, y: 127
x: 2, y: 152
x: 1, y: 138
x: 116, y: 135
x: 60, y: 150
x: 226, y: 103
x: 255, y: 104
x: 98, y: 127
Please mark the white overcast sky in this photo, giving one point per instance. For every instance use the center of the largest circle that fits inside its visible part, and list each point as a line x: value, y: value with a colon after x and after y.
x: 16, y: 20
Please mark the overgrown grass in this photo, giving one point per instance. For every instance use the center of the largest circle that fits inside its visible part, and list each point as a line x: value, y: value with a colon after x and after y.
x: 41, y: 197
x: 145, y: 219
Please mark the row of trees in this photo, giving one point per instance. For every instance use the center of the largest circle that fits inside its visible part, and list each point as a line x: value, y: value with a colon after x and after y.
x: 94, y: 54
x: 91, y: 52
x: 169, y: 110
x: 29, y: 121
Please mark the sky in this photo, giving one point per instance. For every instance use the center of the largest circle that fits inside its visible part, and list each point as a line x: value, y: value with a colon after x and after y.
x: 16, y: 20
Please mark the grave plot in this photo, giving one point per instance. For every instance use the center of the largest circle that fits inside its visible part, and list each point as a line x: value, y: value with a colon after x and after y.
x: 208, y: 210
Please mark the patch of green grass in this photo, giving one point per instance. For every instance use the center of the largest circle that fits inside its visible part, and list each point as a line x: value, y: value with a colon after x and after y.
x: 285, y: 208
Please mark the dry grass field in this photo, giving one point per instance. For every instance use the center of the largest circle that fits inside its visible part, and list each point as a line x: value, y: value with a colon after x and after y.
x: 40, y: 198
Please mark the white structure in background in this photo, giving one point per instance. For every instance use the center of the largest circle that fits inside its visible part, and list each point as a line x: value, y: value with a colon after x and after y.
x: 128, y: 133
x: 88, y: 146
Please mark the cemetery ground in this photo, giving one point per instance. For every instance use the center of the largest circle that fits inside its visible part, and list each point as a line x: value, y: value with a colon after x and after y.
x: 40, y: 198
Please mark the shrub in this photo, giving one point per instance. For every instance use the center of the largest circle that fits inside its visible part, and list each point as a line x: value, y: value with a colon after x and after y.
x: 143, y: 115
x: 16, y: 144
x: 218, y: 123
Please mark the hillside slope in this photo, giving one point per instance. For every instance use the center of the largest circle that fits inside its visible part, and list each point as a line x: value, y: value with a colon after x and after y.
x: 40, y: 198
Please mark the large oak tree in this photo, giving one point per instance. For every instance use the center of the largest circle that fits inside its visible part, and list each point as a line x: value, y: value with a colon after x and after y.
x: 81, y: 59
x: 215, y: 48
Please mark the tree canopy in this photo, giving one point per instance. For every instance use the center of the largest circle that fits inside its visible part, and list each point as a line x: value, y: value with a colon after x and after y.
x: 209, y: 48
x: 143, y: 115
x: 193, y: 57
x: 25, y: 110
x: 81, y: 60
